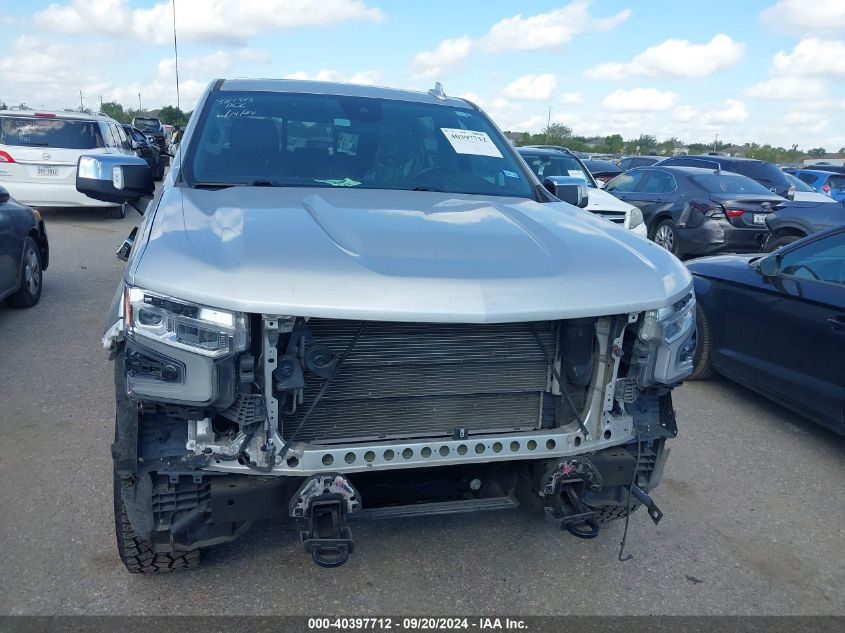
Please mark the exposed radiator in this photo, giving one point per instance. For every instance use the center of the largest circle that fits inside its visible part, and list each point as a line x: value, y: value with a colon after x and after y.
x: 407, y: 380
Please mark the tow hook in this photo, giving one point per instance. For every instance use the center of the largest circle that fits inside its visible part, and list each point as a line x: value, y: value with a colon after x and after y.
x: 653, y: 511
x: 563, y: 490
x: 321, y: 505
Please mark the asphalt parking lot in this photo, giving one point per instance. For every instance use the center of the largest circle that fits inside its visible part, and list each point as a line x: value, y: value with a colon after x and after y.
x: 753, y: 497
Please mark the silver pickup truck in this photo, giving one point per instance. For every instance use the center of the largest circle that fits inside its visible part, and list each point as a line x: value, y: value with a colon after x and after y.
x: 350, y: 302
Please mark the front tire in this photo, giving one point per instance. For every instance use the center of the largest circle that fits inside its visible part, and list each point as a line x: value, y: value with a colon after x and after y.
x: 32, y: 276
x: 666, y: 236
x: 135, y: 553
x: 782, y: 240
x: 117, y: 213
x: 701, y: 362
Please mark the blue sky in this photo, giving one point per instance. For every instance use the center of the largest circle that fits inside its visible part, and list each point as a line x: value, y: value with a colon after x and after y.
x: 747, y: 70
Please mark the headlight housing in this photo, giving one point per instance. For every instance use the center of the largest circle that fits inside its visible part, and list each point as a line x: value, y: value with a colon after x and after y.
x: 633, y: 218
x: 669, y: 333
x: 196, y: 328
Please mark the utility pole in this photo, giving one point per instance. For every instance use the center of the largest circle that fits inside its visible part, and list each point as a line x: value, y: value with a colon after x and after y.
x: 548, y: 125
x: 716, y: 142
x: 139, y: 102
x: 81, y: 107
x: 101, y: 103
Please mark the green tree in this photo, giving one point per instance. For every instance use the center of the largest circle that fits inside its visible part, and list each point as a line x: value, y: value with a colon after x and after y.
x: 115, y: 111
x: 817, y: 152
x: 556, y: 134
x: 613, y: 144
x: 841, y: 150
x: 171, y: 115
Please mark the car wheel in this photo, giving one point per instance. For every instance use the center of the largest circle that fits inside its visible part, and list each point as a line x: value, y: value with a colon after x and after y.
x: 782, y: 240
x: 702, y: 368
x: 666, y: 236
x: 31, y: 277
x: 118, y: 212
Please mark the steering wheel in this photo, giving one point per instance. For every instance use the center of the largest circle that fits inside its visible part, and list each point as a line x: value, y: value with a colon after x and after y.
x: 429, y: 171
x: 798, y: 267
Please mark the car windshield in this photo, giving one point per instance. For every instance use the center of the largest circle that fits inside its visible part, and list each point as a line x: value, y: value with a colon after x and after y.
x: 50, y: 132
x: 147, y: 124
x: 729, y: 183
x: 564, y: 165
x: 307, y: 140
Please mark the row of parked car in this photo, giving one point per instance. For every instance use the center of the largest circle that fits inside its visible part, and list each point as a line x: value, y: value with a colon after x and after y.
x: 39, y: 151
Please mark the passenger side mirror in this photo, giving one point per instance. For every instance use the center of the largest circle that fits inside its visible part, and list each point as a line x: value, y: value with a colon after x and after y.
x: 135, y: 145
x: 114, y: 178
x: 769, y: 266
x: 4, y: 195
x: 568, y: 189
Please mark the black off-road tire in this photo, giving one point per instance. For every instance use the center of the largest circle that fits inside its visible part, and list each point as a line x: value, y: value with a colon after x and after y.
x: 136, y: 554
x: 702, y: 367
x: 117, y: 212
x: 613, y: 513
x: 781, y: 240
x: 30, y: 291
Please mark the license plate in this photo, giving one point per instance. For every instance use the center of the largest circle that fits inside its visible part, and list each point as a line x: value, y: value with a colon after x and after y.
x: 759, y: 218
x: 44, y: 170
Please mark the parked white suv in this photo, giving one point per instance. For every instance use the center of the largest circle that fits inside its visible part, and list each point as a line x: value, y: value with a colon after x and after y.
x: 39, y: 152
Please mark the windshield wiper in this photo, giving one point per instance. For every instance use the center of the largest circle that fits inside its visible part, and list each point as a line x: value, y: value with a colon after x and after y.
x: 426, y: 189
x: 214, y: 185
x: 263, y: 182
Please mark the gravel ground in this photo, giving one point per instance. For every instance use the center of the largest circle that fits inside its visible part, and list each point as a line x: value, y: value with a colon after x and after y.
x: 753, y: 497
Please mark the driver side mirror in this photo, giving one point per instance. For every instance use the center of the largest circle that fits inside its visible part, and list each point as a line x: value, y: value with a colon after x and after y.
x: 769, y: 266
x: 114, y: 178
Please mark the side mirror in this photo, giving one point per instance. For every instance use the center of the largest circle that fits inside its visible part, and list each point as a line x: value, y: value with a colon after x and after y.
x: 4, y: 195
x: 135, y: 145
x: 114, y: 178
x: 569, y: 189
x: 769, y: 266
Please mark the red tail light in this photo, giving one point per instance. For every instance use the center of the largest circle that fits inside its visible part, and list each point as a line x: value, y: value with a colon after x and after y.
x: 826, y: 188
x: 5, y: 158
x: 734, y: 213
x: 45, y: 115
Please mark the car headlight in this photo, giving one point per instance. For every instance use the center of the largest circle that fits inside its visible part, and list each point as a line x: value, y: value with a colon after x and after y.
x: 189, y: 326
x: 633, y: 218
x: 669, y: 334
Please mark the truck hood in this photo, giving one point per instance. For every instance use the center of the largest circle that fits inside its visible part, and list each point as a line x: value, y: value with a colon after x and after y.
x: 601, y: 200
x: 397, y: 256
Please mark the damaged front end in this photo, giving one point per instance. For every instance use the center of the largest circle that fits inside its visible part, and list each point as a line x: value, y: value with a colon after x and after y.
x: 225, y: 418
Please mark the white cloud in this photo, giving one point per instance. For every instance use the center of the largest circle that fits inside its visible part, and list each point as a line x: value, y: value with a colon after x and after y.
x: 537, y: 87
x: 546, y: 30
x: 432, y: 64
x: 221, y: 21
x: 676, y: 58
x: 364, y: 77
x: 812, y: 56
x: 639, y: 100
x: 572, y: 97
x: 788, y: 88
x: 732, y: 112
x: 805, y: 122
x: 801, y: 16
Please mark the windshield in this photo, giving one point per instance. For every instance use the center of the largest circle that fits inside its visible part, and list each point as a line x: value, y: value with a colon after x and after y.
x: 564, y: 165
x: 147, y: 124
x: 729, y: 183
x: 306, y: 140
x: 50, y: 132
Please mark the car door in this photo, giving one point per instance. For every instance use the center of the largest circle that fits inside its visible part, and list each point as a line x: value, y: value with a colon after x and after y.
x: 624, y: 186
x: 657, y: 192
x: 786, y: 334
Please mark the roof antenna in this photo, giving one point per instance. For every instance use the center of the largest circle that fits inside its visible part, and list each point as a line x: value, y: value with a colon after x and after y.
x: 437, y: 91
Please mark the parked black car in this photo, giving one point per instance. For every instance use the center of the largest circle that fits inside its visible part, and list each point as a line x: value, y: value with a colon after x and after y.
x: 152, y: 127
x: 795, y: 220
x: 629, y: 162
x: 602, y: 170
x: 24, y: 252
x: 147, y: 150
x: 695, y: 211
x: 767, y: 174
x: 776, y: 324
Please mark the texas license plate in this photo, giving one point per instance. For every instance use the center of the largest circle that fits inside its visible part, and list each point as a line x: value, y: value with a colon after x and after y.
x: 759, y: 218
x: 46, y: 170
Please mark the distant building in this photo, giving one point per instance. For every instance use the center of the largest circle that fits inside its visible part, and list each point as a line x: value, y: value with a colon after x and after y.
x: 831, y: 159
x: 736, y: 151
x: 680, y: 150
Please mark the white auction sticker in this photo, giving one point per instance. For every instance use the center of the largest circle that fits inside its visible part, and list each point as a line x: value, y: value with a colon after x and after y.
x: 471, y: 142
